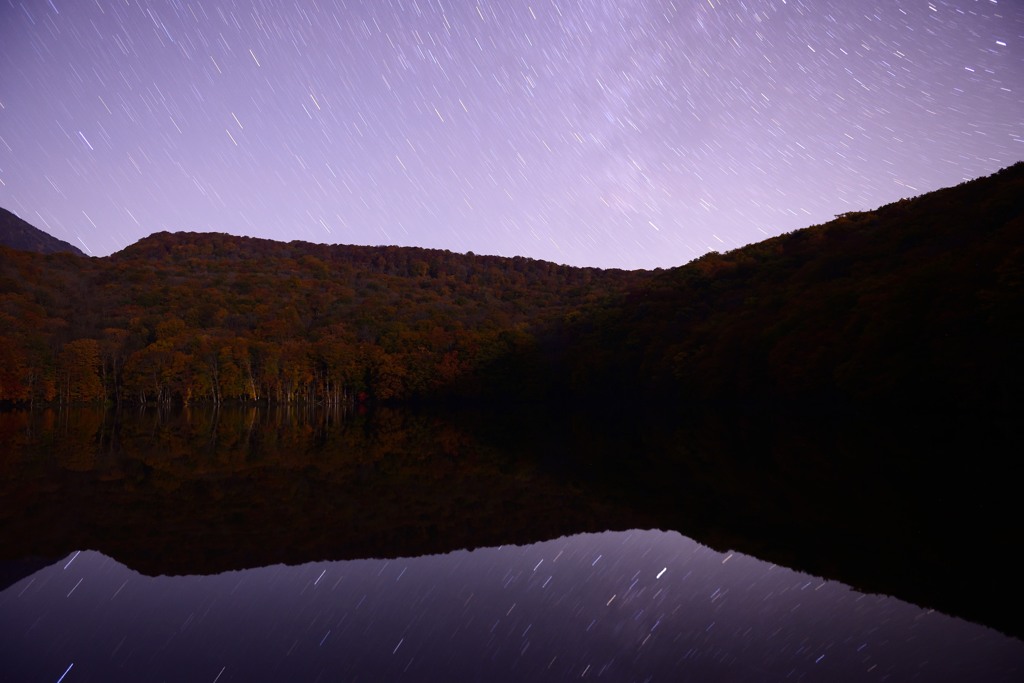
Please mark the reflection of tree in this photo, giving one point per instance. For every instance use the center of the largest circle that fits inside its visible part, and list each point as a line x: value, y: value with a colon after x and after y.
x: 306, y: 482
x: 205, y: 489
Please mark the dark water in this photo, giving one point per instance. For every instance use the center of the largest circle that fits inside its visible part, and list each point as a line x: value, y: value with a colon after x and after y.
x: 626, y: 606
x: 220, y: 545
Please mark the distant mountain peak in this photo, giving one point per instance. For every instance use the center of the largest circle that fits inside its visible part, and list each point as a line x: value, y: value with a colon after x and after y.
x: 17, y: 233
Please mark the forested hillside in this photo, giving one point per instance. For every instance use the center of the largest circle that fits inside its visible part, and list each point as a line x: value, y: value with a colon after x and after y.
x: 210, y: 317
x: 918, y: 300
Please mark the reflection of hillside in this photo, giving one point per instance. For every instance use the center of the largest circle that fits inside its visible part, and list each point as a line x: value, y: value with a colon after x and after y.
x: 868, y: 502
x: 200, y: 492
x: 904, y: 505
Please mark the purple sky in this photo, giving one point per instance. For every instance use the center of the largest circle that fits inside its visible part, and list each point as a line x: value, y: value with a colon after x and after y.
x: 630, y: 133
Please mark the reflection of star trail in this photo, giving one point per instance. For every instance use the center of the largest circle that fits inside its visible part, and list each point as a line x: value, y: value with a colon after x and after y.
x: 654, y: 606
x: 635, y: 133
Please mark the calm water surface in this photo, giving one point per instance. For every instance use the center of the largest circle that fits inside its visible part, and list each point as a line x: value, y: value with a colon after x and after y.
x: 237, y: 501
x: 624, y: 606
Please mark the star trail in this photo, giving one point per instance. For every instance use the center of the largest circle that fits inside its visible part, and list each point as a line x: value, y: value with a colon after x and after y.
x: 630, y: 133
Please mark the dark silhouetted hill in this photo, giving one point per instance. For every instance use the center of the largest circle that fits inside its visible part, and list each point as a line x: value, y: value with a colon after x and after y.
x: 919, y: 303
x: 19, y: 234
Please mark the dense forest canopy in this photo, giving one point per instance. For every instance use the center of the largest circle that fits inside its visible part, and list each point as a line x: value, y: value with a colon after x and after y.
x: 204, y: 316
x: 918, y: 302
x: 921, y: 297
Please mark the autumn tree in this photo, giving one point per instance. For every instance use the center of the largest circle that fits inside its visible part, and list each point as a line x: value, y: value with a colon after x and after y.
x: 14, y: 372
x: 78, y: 367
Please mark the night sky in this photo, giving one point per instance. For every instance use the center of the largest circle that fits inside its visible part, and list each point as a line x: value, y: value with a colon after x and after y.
x: 625, y: 133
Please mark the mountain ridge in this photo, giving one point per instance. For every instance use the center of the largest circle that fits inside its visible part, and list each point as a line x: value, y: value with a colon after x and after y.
x: 17, y: 233
x: 861, y: 309
x: 871, y: 308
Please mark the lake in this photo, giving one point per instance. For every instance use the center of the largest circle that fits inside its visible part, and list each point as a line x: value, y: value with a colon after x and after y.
x: 230, y: 544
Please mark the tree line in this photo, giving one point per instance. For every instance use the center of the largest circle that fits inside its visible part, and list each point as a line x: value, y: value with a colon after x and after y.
x: 919, y: 300
x: 187, y: 317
